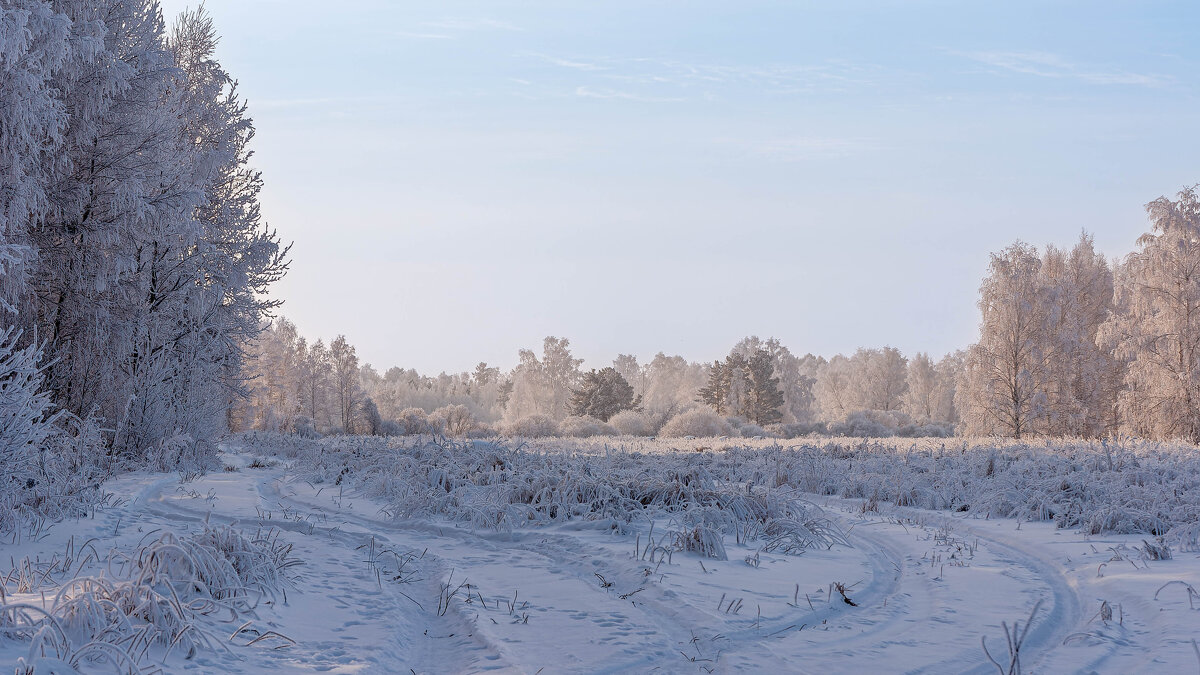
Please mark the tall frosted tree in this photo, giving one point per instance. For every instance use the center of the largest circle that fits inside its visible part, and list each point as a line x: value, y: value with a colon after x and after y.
x: 833, y: 389
x: 1081, y: 375
x: 920, y: 402
x: 1004, y: 379
x: 1157, y: 331
x: 344, y: 361
x: 142, y: 258
x: 629, y: 368
x: 879, y: 378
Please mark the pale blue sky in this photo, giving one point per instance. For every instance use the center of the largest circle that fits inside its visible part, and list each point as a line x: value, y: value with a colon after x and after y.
x: 462, y: 179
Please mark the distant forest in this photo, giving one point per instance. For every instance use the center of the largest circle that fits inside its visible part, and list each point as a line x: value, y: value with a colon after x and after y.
x: 1070, y: 345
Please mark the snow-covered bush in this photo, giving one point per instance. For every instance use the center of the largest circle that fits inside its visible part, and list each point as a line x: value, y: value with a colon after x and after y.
x: 795, y: 430
x: 931, y: 430
x: 585, y: 427
x: 533, y: 426
x: 183, y: 454
x: 752, y: 431
x: 452, y: 420
x: 413, y: 421
x: 696, y: 422
x: 482, y: 430
x: 305, y: 427
x: 631, y: 423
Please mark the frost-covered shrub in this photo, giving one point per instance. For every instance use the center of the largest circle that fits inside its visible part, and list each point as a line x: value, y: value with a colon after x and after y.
x: 696, y: 422
x: 152, y: 597
x: 931, y: 430
x: 305, y: 427
x: 482, y: 430
x: 183, y: 454
x: 796, y: 430
x: 391, y: 428
x: 752, y: 431
x: 413, y: 421
x: 60, y: 478
x: 585, y: 427
x: 871, y: 424
x: 452, y: 420
x: 533, y: 426
x: 631, y: 423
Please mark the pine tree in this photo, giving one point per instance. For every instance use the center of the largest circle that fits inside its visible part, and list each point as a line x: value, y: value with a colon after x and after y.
x: 716, y: 392
x: 763, y: 398
x: 602, y: 394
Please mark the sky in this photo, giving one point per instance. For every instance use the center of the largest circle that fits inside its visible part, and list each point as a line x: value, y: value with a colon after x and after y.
x: 462, y: 179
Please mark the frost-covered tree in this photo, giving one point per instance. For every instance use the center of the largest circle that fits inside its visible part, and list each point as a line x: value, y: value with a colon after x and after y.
x: 834, y: 389
x: 1003, y: 387
x: 602, y: 394
x: 671, y: 385
x: 949, y: 371
x: 1157, y: 331
x: 484, y: 376
x: 1081, y: 374
x: 129, y: 226
x: 347, y: 392
x: 920, y: 402
x: 879, y: 378
x: 627, y: 365
x: 544, y: 386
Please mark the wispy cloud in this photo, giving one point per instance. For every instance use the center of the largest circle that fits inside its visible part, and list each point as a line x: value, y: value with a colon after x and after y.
x: 454, y: 28
x: 460, y: 24
x: 801, y: 148
x: 1045, y: 64
x: 422, y: 36
x: 577, y: 64
x: 318, y: 102
x: 591, y: 92
x: 644, y: 78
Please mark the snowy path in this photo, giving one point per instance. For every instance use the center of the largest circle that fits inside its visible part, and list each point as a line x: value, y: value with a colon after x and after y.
x: 371, y: 595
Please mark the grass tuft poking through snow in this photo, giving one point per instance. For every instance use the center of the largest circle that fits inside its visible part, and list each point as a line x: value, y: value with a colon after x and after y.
x: 160, y: 598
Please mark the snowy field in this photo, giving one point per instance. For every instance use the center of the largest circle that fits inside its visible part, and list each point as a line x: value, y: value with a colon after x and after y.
x: 352, y: 555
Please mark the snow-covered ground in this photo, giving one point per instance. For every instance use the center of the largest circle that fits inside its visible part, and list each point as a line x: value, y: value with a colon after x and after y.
x: 377, y: 594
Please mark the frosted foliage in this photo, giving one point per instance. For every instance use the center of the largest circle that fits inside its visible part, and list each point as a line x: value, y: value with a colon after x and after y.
x: 533, y: 426
x: 585, y: 427
x: 1157, y: 331
x: 1006, y: 372
x: 631, y: 423
x: 1039, y: 367
x: 132, y: 251
x: 698, y: 422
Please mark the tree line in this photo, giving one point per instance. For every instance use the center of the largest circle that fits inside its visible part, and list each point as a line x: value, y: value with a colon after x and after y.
x: 759, y: 388
x: 1070, y: 344
x: 135, y: 259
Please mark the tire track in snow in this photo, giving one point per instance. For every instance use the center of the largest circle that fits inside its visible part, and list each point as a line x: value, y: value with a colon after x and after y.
x: 422, y: 641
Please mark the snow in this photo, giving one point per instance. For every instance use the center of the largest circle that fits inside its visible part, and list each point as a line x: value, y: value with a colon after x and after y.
x: 583, y: 595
